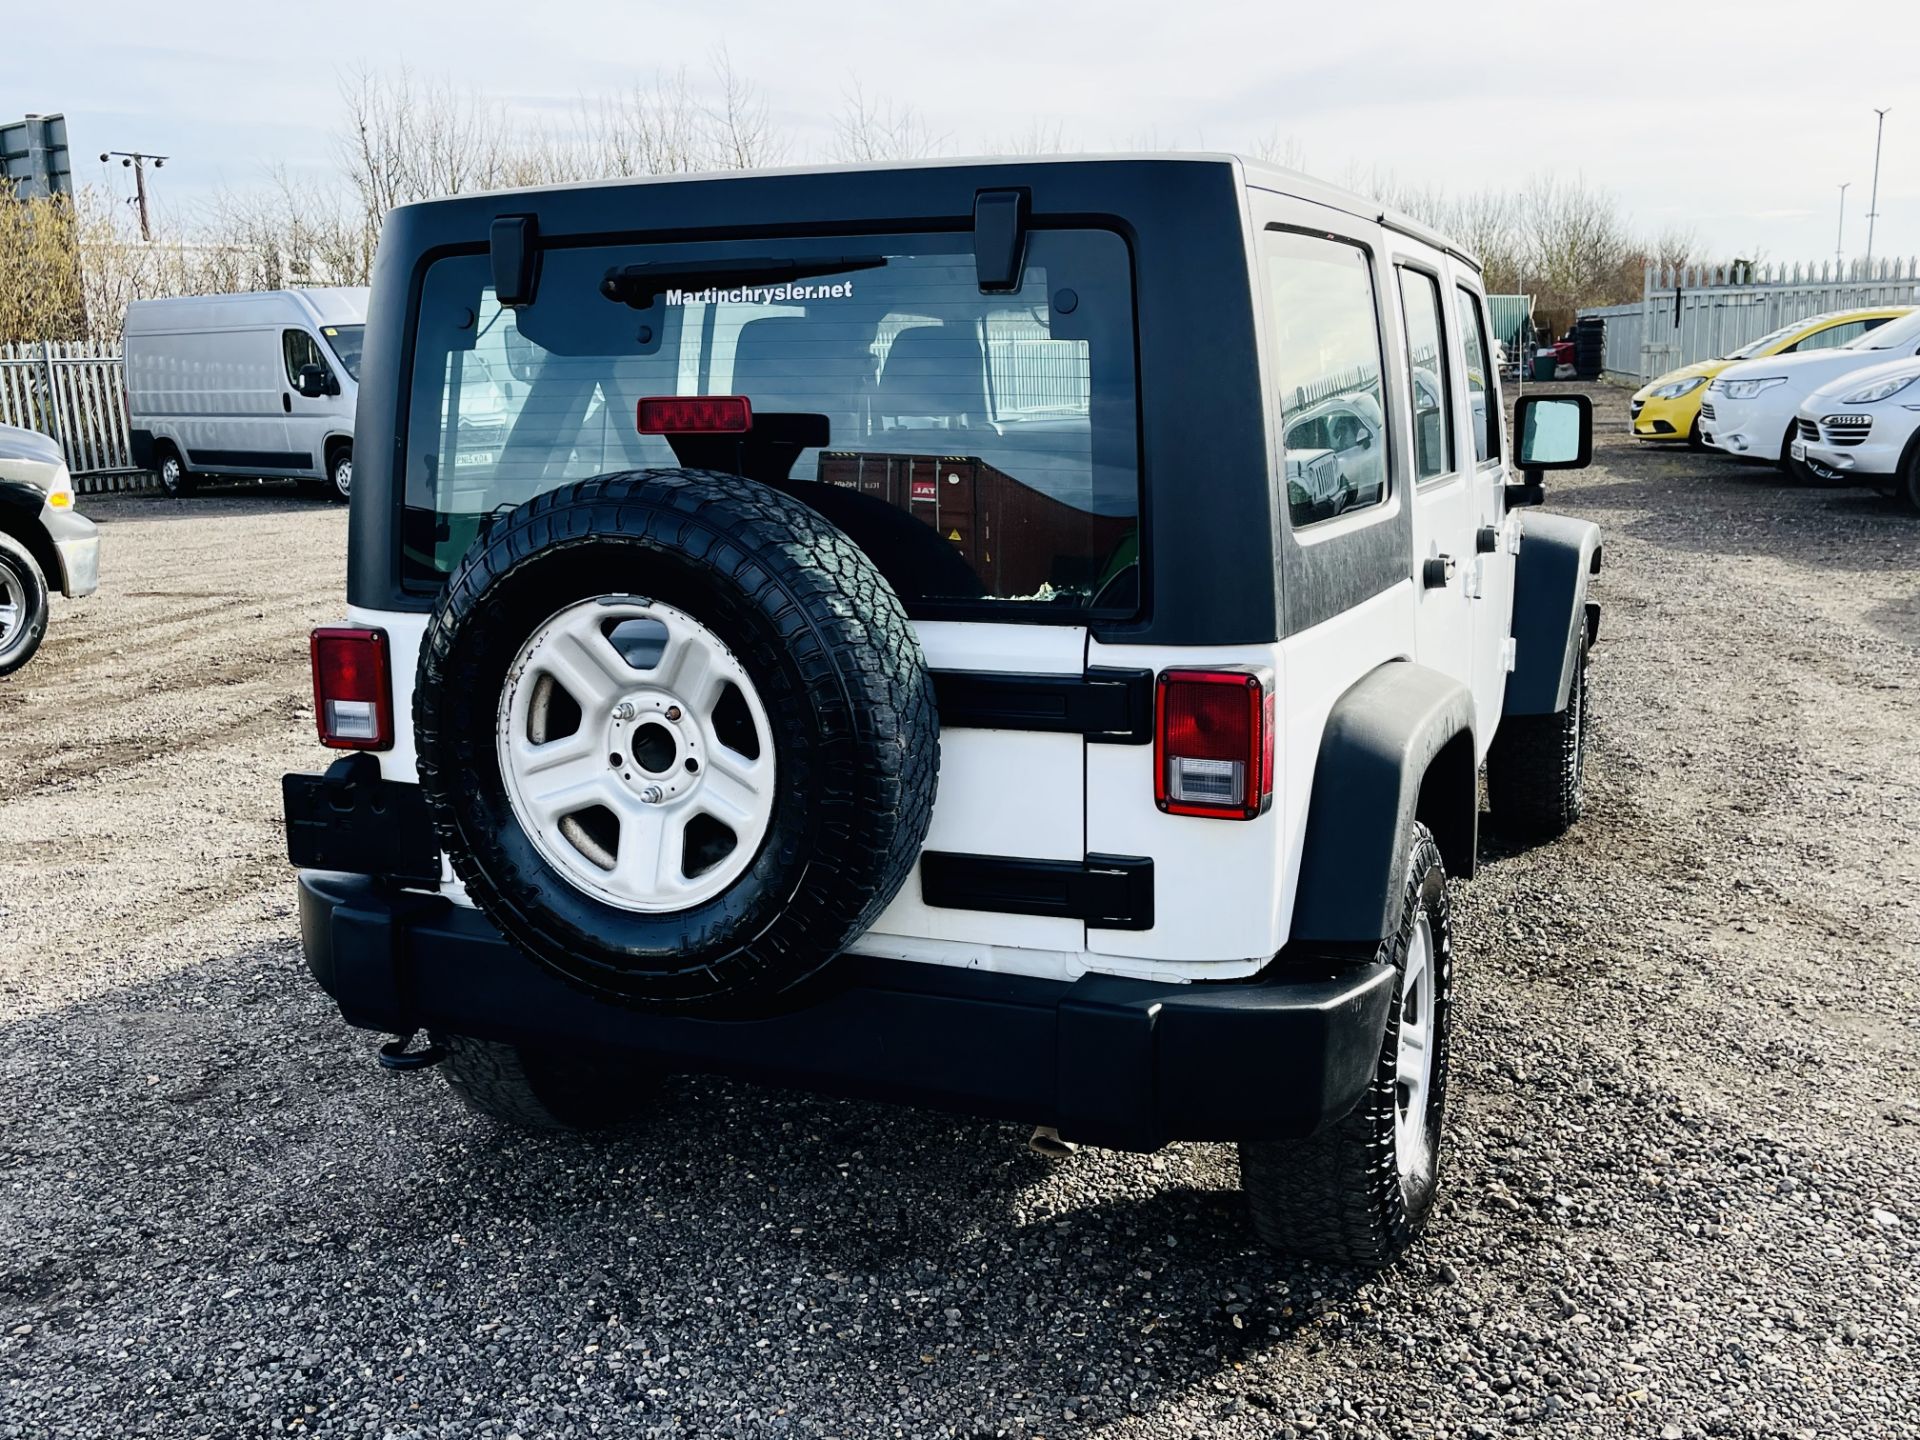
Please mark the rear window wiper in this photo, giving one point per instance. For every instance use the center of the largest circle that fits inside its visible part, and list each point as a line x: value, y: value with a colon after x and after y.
x: 640, y: 285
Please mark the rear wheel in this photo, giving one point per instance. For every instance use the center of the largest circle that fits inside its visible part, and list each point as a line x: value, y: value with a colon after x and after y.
x: 23, y: 605
x: 540, y: 1088
x: 1908, y: 487
x: 1359, y: 1192
x: 1694, y: 439
x: 1536, y: 770
x: 175, y: 478
x: 340, y: 474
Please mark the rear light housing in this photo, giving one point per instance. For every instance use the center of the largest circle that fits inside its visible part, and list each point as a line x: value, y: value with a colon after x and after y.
x: 694, y: 415
x: 352, y: 689
x: 1213, y: 733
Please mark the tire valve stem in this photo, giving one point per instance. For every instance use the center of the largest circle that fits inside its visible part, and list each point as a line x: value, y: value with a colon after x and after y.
x: 653, y: 795
x: 624, y: 710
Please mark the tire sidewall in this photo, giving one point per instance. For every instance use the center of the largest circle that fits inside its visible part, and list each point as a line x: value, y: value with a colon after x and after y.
x: 1426, y: 883
x: 18, y: 647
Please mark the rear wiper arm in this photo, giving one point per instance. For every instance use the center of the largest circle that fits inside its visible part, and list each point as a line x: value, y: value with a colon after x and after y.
x: 640, y: 285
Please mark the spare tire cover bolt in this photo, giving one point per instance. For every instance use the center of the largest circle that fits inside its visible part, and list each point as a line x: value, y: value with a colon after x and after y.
x: 624, y: 710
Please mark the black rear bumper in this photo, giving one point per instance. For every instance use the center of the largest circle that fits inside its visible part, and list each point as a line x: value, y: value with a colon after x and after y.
x: 1129, y: 1064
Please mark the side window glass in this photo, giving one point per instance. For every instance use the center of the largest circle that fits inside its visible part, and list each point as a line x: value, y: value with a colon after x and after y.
x: 1328, y: 362
x: 1473, y: 341
x: 1831, y: 338
x: 1427, y: 377
x: 300, y: 349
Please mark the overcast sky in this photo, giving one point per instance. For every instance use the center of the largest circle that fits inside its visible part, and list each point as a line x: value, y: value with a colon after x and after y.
x: 1739, y: 122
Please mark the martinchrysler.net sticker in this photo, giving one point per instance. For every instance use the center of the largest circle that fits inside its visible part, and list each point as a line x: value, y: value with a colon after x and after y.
x: 760, y: 294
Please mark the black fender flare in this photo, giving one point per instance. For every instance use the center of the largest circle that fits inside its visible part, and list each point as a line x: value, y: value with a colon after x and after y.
x: 1558, y: 555
x: 20, y: 507
x: 1397, y: 748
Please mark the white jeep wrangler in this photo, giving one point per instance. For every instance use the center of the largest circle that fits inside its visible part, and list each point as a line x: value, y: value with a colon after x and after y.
x: 880, y: 649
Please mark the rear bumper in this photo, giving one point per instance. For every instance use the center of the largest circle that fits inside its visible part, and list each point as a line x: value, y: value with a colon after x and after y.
x: 1127, y: 1064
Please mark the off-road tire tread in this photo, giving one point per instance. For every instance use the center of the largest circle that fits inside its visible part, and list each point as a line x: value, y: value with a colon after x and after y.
x: 843, y: 627
x: 541, y: 1090
x: 1536, y: 784
x: 1336, y: 1197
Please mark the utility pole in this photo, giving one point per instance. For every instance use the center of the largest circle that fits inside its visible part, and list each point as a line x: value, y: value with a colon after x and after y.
x: 1873, y: 204
x: 1840, y: 240
x: 137, y: 162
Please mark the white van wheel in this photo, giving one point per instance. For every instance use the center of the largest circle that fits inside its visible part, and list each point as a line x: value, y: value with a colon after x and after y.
x: 175, y: 478
x: 340, y: 474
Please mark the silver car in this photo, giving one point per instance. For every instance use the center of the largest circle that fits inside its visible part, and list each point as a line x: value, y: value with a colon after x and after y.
x: 44, y: 544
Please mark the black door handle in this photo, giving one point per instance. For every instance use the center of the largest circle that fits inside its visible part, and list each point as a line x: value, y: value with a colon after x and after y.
x: 286, y: 402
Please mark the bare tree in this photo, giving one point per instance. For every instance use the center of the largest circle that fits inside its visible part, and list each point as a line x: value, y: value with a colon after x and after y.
x: 1278, y: 149
x: 882, y: 130
x: 1041, y: 137
x: 742, y: 135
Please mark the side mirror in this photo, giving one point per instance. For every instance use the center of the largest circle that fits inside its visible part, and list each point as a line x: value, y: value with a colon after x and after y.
x: 315, y: 381
x: 1556, y: 432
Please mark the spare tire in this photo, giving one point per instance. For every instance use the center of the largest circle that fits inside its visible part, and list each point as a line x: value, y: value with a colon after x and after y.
x: 677, y: 737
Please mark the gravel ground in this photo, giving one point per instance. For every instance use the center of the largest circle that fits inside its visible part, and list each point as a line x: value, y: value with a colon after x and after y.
x: 1680, y: 1197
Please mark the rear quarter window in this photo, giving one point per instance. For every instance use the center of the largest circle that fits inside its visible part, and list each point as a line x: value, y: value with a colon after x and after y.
x: 1328, y: 361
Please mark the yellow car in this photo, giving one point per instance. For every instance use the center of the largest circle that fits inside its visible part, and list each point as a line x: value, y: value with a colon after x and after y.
x: 1669, y: 408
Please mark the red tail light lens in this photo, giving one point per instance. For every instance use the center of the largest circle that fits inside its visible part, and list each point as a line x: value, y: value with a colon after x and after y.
x: 352, y: 689
x: 694, y: 415
x: 1213, y: 743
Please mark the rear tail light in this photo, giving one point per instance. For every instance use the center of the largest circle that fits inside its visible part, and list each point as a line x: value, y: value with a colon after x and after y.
x: 1213, y: 743
x: 694, y: 415
x: 352, y: 689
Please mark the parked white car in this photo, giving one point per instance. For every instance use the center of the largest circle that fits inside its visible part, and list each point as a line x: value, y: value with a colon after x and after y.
x: 1751, y: 408
x: 1864, y: 429
x: 260, y: 384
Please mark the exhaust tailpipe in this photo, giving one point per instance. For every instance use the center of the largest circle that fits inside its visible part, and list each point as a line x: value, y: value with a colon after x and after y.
x: 1046, y: 1141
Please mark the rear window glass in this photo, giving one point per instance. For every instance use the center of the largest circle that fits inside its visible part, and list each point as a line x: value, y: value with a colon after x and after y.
x: 1003, y: 424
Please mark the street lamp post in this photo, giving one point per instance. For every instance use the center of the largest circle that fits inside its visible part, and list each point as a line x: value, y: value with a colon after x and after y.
x: 137, y: 162
x: 1873, y: 202
x: 1840, y: 239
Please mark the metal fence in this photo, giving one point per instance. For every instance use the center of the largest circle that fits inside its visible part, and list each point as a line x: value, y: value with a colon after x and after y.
x: 72, y: 391
x: 1701, y: 312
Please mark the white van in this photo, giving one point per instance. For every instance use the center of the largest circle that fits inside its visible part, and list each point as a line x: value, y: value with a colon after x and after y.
x: 260, y: 384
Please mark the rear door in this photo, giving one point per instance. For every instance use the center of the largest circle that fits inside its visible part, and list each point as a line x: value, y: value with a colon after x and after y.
x: 981, y: 448
x: 1443, y: 497
x: 1490, y: 582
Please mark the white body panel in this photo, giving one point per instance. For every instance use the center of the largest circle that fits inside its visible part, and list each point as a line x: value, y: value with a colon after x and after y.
x: 208, y: 374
